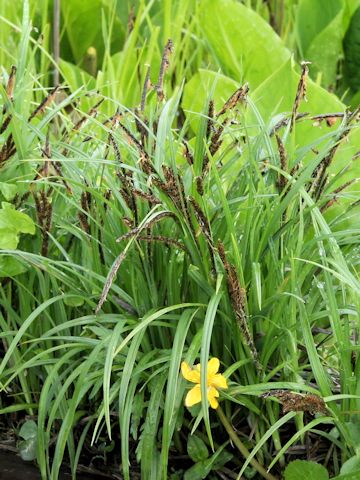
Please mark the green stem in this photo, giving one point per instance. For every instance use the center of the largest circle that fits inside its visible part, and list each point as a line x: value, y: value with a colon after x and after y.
x: 241, y: 447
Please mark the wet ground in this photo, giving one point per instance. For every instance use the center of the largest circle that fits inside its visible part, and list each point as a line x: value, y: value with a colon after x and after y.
x: 13, y: 468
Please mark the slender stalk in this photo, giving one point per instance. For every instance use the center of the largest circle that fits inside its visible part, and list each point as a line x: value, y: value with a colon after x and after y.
x: 56, y: 40
x: 241, y: 447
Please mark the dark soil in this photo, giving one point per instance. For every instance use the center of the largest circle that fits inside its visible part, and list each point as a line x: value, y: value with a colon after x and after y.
x: 13, y: 468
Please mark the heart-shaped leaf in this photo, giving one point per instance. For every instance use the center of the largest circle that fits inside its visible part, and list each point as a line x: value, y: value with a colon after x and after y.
x: 303, y: 470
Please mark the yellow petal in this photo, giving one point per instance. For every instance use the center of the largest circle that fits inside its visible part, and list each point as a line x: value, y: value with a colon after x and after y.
x: 213, y: 366
x: 193, y: 396
x: 190, y: 374
x: 218, y: 381
x: 212, y: 394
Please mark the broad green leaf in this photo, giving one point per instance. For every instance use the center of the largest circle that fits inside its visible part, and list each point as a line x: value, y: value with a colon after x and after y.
x: 349, y: 476
x: 75, y: 77
x: 277, y: 94
x: 197, y: 89
x: 198, y: 471
x: 243, y: 43
x: 197, y: 448
x: 8, y: 239
x: 273, y: 97
x: 10, y: 266
x: 27, y: 449
x: 28, y: 430
x: 325, y: 49
x: 314, y: 17
x: 202, y: 469
x: 350, y: 466
x: 82, y: 23
x: 352, y: 53
x: 351, y: 6
x: 17, y: 221
x: 74, y: 301
x: 354, y: 431
x: 303, y: 470
x: 8, y: 190
x: 7, y: 206
x: 221, y: 459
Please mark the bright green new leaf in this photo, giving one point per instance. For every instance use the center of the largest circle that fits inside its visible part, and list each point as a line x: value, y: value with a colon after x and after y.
x: 351, y: 6
x: 74, y: 301
x: 8, y: 190
x: 10, y: 266
x: 349, y: 476
x: 351, y: 466
x: 303, y: 470
x: 12, y: 223
x: 17, y: 221
x: 8, y: 239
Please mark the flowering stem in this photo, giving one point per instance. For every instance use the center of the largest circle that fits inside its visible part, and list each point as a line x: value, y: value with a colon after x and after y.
x: 241, y: 447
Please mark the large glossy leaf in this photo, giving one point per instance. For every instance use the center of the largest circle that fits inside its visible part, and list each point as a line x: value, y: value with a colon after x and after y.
x: 281, y: 87
x: 320, y: 33
x: 273, y: 97
x: 351, y: 466
x: 83, y: 26
x: 245, y: 46
x: 199, y: 87
x: 352, y: 52
x: 351, y: 6
x: 276, y: 95
x: 313, y: 17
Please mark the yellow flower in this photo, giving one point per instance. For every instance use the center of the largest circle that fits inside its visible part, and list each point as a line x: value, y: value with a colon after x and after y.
x: 214, y: 382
